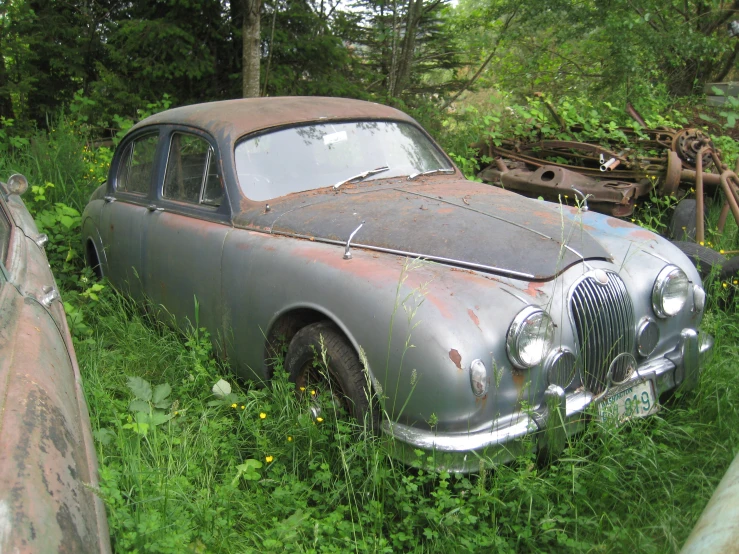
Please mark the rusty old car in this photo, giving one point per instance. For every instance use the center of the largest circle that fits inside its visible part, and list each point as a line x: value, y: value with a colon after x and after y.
x: 48, y: 466
x: 458, y: 316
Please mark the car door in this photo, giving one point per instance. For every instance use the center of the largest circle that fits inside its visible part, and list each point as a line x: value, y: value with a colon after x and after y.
x: 186, y: 231
x: 123, y: 218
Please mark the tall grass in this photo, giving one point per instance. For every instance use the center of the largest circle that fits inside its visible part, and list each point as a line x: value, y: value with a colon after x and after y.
x: 253, y: 472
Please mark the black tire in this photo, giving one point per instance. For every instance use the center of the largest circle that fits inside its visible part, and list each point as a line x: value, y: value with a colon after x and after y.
x: 348, y: 381
x: 682, y: 224
x: 704, y: 259
x: 730, y: 270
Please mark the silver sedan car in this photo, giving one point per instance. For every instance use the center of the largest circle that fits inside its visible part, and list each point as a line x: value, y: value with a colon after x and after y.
x: 456, y: 317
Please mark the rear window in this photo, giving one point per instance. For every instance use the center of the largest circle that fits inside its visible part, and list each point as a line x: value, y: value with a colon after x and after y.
x: 137, y: 165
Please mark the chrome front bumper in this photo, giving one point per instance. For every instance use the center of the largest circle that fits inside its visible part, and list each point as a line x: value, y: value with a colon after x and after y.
x: 545, y: 428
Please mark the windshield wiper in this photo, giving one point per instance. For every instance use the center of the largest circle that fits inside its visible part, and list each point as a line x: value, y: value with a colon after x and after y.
x: 446, y: 170
x: 361, y: 176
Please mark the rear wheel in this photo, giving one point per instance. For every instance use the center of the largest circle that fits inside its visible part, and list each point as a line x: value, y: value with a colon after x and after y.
x: 702, y: 257
x: 344, y: 377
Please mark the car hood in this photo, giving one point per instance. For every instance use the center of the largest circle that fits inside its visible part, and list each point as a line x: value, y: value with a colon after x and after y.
x: 449, y: 220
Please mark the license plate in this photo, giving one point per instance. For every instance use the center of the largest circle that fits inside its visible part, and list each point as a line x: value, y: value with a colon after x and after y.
x: 635, y: 399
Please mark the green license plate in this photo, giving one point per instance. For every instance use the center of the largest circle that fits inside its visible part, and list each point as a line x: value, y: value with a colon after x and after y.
x: 635, y: 399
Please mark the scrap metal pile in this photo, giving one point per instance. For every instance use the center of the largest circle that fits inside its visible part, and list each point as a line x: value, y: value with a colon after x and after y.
x: 610, y: 177
x: 615, y: 176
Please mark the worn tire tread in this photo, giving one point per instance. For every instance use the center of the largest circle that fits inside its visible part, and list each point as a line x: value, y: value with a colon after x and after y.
x: 344, y: 365
x: 703, y: 258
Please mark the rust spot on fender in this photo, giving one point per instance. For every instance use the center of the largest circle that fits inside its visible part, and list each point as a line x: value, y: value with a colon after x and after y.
x: 616, y: 223
x: 534, y: 289
x: 642, y: 234
x: 519, y: 379
x: 474, y: 318
x: 456, y: 357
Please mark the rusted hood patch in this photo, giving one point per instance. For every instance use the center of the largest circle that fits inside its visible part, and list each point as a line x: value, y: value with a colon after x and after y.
x: 474, y: 224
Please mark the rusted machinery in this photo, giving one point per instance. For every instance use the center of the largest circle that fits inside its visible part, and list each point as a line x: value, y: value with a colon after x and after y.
x: 613, y: 177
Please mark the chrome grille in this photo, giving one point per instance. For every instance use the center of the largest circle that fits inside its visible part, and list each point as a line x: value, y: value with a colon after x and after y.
x: 603, y: 316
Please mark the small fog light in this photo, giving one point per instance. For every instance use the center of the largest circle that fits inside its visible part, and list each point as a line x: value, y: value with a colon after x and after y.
x: 560, y: 367
x: 647, y: 336
x: 699, y: 298
x: 478, y: 378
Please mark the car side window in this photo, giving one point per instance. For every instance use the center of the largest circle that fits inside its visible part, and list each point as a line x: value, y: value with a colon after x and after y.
x: 192, y: 174
x: 4, y: 236
x: 137, y: 165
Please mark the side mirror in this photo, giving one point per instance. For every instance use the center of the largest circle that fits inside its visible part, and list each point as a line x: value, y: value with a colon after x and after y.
x: 17, y: 184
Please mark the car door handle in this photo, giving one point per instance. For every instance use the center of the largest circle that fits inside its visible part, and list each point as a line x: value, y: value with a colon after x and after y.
x: 49, y: 294
x: 154, y: 208
x: 109, y: 199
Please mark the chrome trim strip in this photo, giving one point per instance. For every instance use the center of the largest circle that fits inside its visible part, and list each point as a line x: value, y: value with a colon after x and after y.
x: 450, y: 261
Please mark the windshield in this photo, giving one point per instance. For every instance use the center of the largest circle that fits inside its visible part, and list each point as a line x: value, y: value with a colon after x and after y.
x: 321, y: 155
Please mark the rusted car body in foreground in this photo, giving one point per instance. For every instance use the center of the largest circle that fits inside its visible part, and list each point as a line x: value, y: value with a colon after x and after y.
x: 717, y: 530
x: 340, y: 221
x: 47, y: 457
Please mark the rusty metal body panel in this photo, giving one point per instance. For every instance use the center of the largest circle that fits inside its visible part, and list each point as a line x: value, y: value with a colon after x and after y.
x: 446, y: 263
x: 717, y: 530
x: 48, y: 466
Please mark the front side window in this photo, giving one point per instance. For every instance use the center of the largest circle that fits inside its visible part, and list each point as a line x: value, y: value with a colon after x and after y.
x: 191, y: 174
x: 136, y: 168
x: 314, y: 156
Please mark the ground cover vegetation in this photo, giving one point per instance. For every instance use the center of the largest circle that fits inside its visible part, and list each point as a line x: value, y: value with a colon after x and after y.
x: 245, y: 468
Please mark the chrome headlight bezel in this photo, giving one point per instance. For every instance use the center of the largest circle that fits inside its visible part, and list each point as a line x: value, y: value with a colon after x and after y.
x: 666, y: 278
x: 530, y: 315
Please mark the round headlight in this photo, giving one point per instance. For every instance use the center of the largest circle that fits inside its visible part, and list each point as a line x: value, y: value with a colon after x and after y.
x: 670, y: 291
x: 530, y: 337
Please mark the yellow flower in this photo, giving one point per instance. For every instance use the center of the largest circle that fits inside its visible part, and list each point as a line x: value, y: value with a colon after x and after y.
x: 724, y: 284
x: 242, y: 406
x: 269, y: 459
x: 319, y: 419
x: 262, y: 416
x: 289, y: 439
x: 736, y: 282
x: 176, y: 413
x: 233, y: 405
x: 721, y: 251
x: 312, y: 393
x: 302, y: 389
x: 701, y: 243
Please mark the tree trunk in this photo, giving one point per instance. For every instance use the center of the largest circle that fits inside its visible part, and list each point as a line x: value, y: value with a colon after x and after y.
x: 413, y: 18
x: 251, y: 53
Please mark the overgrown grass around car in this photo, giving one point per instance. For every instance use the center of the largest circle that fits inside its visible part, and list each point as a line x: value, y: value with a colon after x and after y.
x: 186, y: 470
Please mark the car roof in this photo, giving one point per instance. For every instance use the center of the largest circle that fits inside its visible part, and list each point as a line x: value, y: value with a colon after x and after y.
x: 231, y: 119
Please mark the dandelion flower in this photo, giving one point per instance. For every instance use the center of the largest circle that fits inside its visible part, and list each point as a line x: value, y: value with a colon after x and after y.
x: 302, y: 389
x: 721, y: 251
x: 312, y: 393
x: 262, y: 415
x: 319, y: 419
x: 269, y: 459
x: 701, y: 243
x: 176, y: 413
x: 289, y: 439
x: 233, y: 405
x: 242, y: 406
x: 724, y: 284
x: 736, y: 282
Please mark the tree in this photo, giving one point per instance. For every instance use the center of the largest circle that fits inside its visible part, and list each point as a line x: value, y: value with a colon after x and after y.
x: 252, y: 48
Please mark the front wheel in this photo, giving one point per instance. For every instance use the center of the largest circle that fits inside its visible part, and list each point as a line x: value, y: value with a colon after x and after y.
x: 344, y: 377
